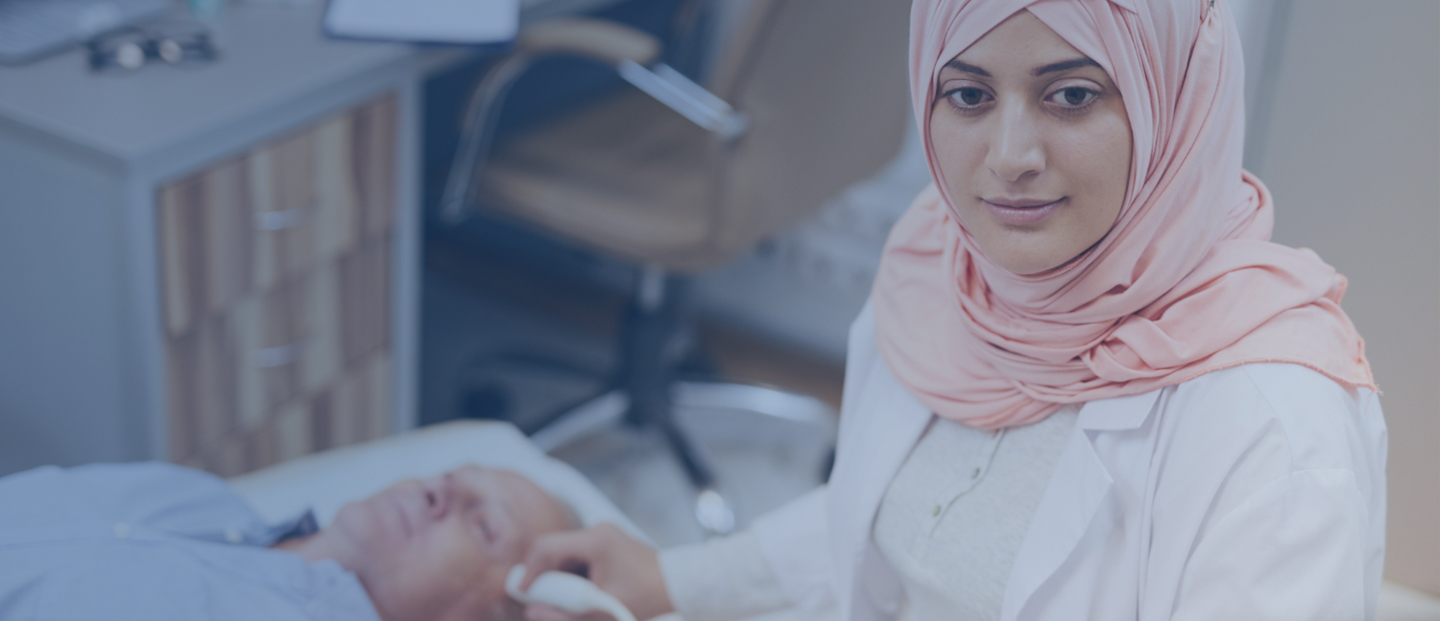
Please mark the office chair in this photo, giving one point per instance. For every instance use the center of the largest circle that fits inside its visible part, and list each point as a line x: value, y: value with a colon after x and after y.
x: 804, y: 98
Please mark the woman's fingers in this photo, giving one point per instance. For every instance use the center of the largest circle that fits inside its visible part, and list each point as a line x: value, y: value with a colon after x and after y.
x: 615, y: 562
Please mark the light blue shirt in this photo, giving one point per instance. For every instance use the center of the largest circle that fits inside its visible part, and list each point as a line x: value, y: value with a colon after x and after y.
x: 155, y: 542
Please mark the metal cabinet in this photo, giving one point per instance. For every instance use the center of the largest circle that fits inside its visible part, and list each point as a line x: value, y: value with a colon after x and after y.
x: 215, y: 265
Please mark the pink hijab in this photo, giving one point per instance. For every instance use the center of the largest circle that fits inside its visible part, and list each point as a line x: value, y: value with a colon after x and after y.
x: 1185, y: 283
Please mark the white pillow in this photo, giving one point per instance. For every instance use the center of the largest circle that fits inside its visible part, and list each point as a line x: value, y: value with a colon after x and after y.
x: 325, y: 481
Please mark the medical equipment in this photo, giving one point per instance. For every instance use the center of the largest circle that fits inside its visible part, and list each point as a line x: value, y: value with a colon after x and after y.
x: 567, y: 592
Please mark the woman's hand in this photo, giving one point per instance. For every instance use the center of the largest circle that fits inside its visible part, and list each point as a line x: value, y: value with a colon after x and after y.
x: 618, y: 564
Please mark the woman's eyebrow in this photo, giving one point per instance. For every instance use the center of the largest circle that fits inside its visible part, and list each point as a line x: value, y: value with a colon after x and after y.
x: 1066, y: 64
x: 967, y: 68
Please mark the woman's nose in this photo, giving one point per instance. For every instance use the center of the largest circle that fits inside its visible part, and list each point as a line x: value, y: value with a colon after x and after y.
x: 1016, y: 151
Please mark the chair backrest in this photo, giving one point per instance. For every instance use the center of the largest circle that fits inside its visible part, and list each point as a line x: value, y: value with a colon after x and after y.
x: 824, y: 83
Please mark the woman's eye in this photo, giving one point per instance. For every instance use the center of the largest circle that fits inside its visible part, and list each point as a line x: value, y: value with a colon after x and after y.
x: 968, y: 97
x: 1073, y: 96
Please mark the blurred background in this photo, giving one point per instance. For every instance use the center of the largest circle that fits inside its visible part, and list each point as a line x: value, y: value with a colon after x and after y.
x: 237, y: 232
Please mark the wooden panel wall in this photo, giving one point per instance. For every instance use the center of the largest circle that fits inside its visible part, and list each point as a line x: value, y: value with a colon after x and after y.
x: 277, y: 294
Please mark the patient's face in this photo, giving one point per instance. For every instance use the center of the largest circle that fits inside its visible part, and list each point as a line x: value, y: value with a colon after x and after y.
x: 439, y: 548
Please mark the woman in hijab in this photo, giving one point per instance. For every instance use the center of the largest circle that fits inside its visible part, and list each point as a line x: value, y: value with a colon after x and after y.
x: 1087, y: 385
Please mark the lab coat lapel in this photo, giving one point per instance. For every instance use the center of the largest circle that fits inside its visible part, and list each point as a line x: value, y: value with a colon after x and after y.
x: 885, y: 424
x: 1079, y: 486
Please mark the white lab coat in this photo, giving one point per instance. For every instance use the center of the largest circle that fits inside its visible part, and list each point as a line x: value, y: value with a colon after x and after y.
x: 1254, y: 493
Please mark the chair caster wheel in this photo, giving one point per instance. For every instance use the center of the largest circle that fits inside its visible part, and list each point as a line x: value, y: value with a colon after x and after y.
x: 714, y: 513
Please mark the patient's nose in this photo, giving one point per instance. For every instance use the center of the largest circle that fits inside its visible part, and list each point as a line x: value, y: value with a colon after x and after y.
x: 439, y: 492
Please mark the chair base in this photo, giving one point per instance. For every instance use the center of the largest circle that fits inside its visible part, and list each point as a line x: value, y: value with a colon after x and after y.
x: 609, y: 409
x: 712, y: 511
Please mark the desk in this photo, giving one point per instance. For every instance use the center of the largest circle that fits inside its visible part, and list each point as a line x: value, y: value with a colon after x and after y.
x: 172, y: 283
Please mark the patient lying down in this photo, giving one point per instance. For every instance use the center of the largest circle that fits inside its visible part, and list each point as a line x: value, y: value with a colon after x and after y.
x: 160, y: 542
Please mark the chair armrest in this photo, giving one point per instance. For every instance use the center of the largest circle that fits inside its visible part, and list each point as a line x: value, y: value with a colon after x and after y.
x: 631, y: 52
x: 597, y: 38
x: 691, y: 100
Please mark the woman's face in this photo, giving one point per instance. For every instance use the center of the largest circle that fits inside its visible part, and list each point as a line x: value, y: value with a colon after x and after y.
x: 1033, y: 143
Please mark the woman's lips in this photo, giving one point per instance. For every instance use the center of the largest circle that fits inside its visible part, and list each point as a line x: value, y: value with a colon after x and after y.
x: 1022, y: 213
